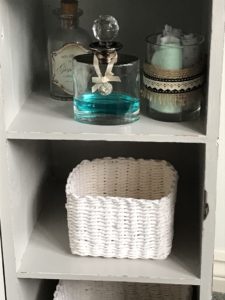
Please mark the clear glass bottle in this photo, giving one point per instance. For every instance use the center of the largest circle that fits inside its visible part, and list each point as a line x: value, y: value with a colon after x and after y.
x: 106, y: 84
x: 65, y: 42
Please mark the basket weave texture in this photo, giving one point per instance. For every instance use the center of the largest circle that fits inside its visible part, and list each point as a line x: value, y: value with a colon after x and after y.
x: 78, y: 290
x: 121, y: 208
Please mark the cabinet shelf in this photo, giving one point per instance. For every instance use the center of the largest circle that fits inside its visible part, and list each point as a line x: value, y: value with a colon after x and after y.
x: 39, y: 139
x: 43, y: 118
x: 47, y: 256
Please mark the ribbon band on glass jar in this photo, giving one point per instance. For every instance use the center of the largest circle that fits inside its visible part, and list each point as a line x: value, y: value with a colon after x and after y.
x: 173, y: 81
x: 102, y: 82
x: 182, y: 99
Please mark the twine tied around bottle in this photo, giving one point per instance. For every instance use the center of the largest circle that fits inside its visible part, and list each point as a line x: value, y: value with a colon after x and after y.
x: 102, y: 83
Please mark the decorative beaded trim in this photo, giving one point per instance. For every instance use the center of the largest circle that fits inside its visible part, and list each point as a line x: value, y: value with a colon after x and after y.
x: 179, y: 79
x: 173, y: 87
x: 177, y: 82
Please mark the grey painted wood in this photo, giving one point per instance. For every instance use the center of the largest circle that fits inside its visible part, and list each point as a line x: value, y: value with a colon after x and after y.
x: 2, y: 280
x: 27, y: 168
x: 34, y: 290
x: 21, y: 52
x: 21, y: 59
x: 213, y: 120
x: 44, y: 118
x: 15, y: 84
x: 218, y: 296
x: 48, y: 255
x: 6, y: 229
x: 2, y: 275
x: 215, y: 69
x: 133, y: 28
x: 209, y: 224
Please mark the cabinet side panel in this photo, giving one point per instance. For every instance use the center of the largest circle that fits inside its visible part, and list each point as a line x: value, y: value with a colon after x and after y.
x: 6, y: 226
x: 214, y: 96
x: 27, y: 168
x: 36, y: 289
x: 2, y: 287
x: 20, y: 51
x: 220, y: 229
x: 215, y: 68
x: 209, y: 223
x: 219, y: 261
x: 6, y: 230
x: 2, y: 284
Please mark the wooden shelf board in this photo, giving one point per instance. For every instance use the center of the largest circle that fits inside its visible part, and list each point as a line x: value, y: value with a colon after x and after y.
x: 47, y: 256
x: 44, y: 118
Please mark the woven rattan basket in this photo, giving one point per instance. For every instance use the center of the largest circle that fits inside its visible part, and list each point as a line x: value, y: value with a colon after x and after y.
x: 78, y: 290
x: 121, y: 208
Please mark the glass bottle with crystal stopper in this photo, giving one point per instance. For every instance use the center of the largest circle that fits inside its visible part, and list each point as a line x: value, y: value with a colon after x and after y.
x: 106, y: 84
x: 65, y: 42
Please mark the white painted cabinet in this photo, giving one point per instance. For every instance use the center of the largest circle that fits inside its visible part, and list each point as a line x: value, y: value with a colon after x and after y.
x: 40, y: 143
x: 219, y: 264
x: 2, y: 285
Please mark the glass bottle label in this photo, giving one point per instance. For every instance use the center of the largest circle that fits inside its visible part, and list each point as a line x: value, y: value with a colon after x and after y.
x: 62, y: 66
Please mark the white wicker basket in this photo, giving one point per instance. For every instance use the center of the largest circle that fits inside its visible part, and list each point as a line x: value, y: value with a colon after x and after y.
x: 81, y: 290
x: 121, y: 208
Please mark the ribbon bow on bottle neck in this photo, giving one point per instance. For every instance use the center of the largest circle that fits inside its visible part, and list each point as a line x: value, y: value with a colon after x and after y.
x: 102, y: 82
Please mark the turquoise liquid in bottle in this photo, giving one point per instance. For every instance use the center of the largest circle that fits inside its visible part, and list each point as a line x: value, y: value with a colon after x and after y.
x: 117, y: 108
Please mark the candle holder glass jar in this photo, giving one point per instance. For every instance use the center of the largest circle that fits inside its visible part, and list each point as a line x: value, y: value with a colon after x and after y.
x: 173, y: 78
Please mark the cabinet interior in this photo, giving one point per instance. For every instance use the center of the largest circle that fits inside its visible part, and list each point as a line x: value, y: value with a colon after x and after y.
x: 139, y: 19
x: 39, y: 169
x: 36, y: 169
x: 27, y: 24
x: 34, y: 289
x: 44, y: 289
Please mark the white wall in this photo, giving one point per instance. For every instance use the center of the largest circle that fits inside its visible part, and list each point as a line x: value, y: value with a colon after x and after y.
x: 219, y: 267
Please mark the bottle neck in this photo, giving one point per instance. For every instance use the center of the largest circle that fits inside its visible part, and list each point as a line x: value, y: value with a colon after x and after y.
x: 69, y: 22
x: 69, y: 14
x: 69, y: 7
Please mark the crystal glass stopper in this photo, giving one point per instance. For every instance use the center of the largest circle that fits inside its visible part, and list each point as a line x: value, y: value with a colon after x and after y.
x: 105, y: 28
